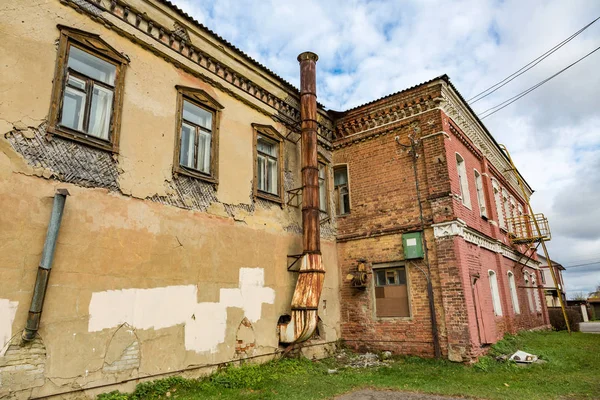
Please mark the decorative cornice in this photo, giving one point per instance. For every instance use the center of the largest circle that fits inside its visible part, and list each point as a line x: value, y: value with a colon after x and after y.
x: 287, y: 110
x: 459, y: 228
x: 455, y: 108
x: 370, y: 125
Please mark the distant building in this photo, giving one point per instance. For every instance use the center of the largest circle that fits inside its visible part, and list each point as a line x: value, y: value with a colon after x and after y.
x: 177, y: 248
x: 552, y: 292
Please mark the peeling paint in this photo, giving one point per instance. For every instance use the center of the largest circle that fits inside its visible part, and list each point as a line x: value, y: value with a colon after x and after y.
x: 205, y: 323
x: 8, y: 310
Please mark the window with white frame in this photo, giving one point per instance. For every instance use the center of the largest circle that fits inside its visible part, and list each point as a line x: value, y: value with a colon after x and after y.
x: 527, y: 278
x: 505, y: 207
x: 498, y: 201
x: 462, y: 180
x: 495, y: 293
x: 480, y: 194
x: 536, y: 295
x: 513, y: 292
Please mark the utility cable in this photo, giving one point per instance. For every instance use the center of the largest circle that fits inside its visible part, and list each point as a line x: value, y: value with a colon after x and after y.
x: 508, y: 102
x: 527, y: 67
x: 582, y: 265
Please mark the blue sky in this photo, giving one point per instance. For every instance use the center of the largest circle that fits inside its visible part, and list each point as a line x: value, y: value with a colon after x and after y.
x: 368, y: 49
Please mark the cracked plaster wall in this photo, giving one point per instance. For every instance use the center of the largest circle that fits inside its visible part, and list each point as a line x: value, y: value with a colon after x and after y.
x: 135, y: 227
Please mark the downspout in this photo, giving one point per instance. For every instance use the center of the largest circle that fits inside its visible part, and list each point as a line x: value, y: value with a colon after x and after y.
x: 43, y: 273
x: 434, y: 326
x: 305, y: 301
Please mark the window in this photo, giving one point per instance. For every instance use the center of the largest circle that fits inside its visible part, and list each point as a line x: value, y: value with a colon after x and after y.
x: 536, y: 296
x: 512, y: 214
x: 498, y: 201
x: 543, y: 276
x: 197, y: 134
x: 88, y: 89
x: 529, y: 290
x: 342, y: 193
x: 480, y: 194
x: 495, y: 293
x: 505, y: 208
x: 462, y: 180
x: 513, y: 293
x: 268, y: 166
x: 323, y: 187
x: 391, y: 291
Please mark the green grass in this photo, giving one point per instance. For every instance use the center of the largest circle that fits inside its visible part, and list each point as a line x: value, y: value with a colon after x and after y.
x: 572, y: 372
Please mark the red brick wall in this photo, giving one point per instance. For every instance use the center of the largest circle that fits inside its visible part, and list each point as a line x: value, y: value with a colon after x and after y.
x: 383, y: 202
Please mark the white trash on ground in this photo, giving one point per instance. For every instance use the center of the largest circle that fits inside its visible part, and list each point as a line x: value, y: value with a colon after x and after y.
x: 524, y: 357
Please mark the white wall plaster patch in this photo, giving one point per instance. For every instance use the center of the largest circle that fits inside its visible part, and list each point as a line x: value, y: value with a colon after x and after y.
x: 8, y: 310
x: 205, y: 323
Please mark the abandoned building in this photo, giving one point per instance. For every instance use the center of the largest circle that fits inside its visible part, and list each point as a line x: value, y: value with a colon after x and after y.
x: 175, y: 205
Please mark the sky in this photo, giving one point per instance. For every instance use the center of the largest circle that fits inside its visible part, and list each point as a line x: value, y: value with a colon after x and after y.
x: 370, y: 48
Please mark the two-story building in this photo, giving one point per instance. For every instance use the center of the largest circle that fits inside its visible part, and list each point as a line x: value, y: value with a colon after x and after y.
x: 152, y: 178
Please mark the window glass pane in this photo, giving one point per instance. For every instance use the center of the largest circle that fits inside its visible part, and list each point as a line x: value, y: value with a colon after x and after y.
x: 390, y: 277
x: 401, y: 276
x: 204, y: 152
x: 76, y: 82
x: 266, y: 146
x: 345, y: 201
x: 73, y: 106
x: 340, y: 176
x: 91, y: 66
x: 100, y: 112
x: 322, y: 189
x: 272, y: 176
x: 261, y: 164
x: 380, y: 277
x: 197, y: 115
x: 186, y: 158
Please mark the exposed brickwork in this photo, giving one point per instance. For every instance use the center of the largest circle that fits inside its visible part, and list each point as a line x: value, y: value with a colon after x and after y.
x: 383, y: 207
x: 22, y: 368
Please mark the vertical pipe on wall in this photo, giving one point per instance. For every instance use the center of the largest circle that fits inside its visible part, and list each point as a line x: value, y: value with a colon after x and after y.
x: 43, y: 273
x: 305, y: 301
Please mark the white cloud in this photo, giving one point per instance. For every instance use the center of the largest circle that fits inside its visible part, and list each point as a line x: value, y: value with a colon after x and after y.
x: 368, y: 49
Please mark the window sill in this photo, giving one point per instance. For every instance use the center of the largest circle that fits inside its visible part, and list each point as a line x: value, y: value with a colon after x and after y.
x: 270, y: 197
x: 81, y: 137
x: 178, y: 170
x: 401, y: 319
x: 342, y: 215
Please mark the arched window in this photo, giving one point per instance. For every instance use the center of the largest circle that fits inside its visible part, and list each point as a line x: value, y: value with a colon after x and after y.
x: 527, y: 288
x: 536, y: 296
x: 513, y: 293
x: 480, y: 194
x: 462, y: 180
x: 495, y: 293
x: 498, y: 201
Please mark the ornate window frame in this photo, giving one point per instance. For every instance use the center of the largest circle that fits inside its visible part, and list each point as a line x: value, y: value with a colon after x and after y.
x: 202, y: 99
x: 271, y: 133
x: 92, y: 44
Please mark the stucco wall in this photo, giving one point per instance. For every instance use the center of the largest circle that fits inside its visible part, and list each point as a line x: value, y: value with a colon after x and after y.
x: 148, y: 277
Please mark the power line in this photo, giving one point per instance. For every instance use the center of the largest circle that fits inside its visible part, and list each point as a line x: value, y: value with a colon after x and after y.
x: 582, y: 265
x: 527, y: 67
x: 508, y: 102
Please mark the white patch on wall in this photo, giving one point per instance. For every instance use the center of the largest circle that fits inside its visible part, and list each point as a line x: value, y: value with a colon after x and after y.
x: 205, y: 323
x: 8, y: 310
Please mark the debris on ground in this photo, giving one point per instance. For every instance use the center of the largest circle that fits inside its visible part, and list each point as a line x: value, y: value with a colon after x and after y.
x: 366, y: 360
x: 523, y: 357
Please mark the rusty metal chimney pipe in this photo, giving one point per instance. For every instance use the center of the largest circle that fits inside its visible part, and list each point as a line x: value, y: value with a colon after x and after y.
x: 310, y: 167
x: 311, y: 275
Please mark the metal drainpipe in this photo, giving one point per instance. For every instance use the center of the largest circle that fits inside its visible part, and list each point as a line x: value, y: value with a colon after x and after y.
x: 43, y: 274
x: 434, y: 327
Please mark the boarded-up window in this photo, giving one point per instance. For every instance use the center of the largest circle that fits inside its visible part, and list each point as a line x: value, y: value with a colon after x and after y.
x: 391, y: 292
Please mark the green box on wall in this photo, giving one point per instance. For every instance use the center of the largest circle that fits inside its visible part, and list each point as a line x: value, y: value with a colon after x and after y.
x: 413, y: 245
